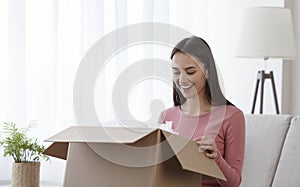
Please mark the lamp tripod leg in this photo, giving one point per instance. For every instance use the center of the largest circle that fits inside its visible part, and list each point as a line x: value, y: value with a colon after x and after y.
x: 274, y: 92
x: 255, y: 92
x: 262, y: 78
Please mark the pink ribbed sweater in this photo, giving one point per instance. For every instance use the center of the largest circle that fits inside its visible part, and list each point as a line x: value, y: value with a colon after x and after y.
x: 226, y: 124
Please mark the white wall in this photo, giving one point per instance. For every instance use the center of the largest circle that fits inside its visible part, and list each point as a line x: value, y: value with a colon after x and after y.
x: 291, y: 69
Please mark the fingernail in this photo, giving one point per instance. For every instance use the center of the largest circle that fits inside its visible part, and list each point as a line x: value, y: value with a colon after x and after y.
x: 200, y: 150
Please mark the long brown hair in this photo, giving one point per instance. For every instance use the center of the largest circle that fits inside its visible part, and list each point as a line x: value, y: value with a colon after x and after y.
x: 197, y: 47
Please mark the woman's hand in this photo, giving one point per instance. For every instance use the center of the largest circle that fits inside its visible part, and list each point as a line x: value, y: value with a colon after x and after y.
x: 207, y: 145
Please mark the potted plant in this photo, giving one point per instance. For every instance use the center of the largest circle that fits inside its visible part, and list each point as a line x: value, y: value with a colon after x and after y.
x: 26, y: 153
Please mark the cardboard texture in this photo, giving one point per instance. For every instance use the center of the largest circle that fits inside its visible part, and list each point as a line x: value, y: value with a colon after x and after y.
x: 113, y: 156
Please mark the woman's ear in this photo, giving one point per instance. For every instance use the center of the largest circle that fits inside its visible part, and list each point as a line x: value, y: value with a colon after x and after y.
x: 206, y: 74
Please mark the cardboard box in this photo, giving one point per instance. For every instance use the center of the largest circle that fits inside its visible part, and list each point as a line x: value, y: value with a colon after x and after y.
x: 113, y: 156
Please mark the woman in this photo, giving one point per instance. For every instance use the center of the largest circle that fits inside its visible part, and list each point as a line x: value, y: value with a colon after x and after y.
x: 202, y: 113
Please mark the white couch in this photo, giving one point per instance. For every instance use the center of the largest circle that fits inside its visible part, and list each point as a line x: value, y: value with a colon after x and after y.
x: 272, y: 156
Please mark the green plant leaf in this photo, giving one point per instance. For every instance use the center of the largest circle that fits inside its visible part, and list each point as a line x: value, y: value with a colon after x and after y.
x: 17, y: 145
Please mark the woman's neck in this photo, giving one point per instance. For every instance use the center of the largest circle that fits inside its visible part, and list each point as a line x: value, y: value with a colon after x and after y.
x: 196, y: 106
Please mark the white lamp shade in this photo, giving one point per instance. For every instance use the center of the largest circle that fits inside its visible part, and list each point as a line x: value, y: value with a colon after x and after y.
x: 267, y: 32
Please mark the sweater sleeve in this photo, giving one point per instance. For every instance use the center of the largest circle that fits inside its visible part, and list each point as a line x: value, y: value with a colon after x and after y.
x: 232, y: 162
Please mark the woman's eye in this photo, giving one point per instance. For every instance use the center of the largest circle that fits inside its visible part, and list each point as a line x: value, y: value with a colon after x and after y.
x: 190, y: 73
x: 176, y: 72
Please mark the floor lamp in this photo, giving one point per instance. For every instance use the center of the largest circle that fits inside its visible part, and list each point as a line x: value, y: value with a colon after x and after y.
x: 266, y: 33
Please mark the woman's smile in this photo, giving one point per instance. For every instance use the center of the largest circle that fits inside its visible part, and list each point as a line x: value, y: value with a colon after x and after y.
x: 186, y: 87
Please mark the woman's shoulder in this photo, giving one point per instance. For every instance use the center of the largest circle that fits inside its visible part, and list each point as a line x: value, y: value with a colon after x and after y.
x: 234, y: 114
x: 227, y: 110
x: 168, y: 113
x: 229, y: 113
x: 232, y: 110
x: 171, y: 110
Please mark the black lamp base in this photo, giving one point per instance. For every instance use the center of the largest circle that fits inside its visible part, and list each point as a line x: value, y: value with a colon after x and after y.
x: 261, y: 77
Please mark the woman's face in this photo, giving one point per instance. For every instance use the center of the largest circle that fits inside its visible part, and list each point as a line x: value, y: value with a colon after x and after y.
x: 189, y: 75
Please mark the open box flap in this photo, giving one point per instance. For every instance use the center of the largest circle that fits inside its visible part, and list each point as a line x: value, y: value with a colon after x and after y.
x: 190, y: 158
x: 95, y: 134
x: 92, y: 134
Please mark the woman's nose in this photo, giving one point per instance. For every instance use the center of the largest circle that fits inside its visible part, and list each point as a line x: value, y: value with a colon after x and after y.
x: 183, y: 78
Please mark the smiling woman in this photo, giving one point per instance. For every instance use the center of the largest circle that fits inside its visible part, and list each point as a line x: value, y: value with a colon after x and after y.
x: 202, y: 113
x: 193, y: 55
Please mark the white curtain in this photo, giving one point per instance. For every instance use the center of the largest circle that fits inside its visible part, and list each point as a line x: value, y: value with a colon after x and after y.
x: 42, y: 45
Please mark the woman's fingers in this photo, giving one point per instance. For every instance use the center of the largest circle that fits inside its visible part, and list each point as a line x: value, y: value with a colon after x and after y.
x: 202, y: 138
x: 208, y: 145
x: 202, y: 141
x: 211, y: 155
x: 205, y: 142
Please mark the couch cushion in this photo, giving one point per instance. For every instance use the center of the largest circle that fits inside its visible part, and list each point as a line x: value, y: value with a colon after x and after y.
x: 288, y: 170
x: 264, y: 140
